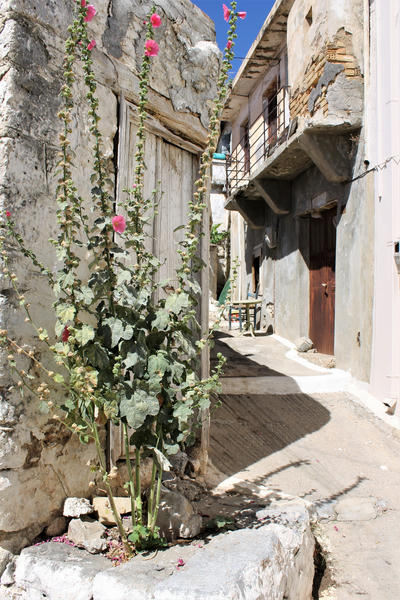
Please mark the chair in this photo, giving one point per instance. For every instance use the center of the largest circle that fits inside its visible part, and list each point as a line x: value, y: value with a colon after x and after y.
x: 239, y: 306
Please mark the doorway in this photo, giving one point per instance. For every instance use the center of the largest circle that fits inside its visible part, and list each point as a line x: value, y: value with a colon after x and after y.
x: 322, y: 281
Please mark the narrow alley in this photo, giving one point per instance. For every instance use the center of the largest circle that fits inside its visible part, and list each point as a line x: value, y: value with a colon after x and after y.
x: 285, y: 427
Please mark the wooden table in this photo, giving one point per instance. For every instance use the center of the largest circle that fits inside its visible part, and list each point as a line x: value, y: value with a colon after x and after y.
x: 246, y: 305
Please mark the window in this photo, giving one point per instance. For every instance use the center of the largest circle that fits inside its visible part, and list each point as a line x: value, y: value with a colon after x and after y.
x: 270, y: 108
x: 309, y: 16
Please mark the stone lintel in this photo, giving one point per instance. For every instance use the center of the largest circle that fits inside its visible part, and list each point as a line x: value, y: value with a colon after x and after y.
x: 277, y: 194
x: 328, y: 154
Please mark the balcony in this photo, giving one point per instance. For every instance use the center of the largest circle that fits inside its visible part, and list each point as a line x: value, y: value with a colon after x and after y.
x: 259, y: 141
x: 274, y: 150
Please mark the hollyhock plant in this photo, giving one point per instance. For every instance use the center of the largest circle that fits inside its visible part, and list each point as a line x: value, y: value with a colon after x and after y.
x: 151, y: 48
x: 155, y: 20
x: 118, y: 223
x: 120, y: 352
x: 90, y: 13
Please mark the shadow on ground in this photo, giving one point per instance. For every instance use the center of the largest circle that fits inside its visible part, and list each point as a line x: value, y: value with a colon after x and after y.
x: 248, y: 427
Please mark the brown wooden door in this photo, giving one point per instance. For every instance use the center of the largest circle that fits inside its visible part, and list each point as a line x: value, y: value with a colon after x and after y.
x: 322, y: 281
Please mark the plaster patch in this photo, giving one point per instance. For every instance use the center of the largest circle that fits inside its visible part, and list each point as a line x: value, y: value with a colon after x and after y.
x: 331, y: 71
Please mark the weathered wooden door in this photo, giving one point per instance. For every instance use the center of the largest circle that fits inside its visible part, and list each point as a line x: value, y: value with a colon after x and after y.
x: 171, y: 168
x: 322, y: 281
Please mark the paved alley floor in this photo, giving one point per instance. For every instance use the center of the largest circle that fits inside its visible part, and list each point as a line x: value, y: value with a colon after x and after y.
x: 288, y: 427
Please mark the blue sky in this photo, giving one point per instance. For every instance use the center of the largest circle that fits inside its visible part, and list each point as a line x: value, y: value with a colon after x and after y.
x: 257, y: 12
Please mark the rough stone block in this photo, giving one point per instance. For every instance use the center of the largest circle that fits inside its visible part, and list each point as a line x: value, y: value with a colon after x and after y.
x: 76, y: 507
x: 176, y: 517
x: 87, y: 534
x: 59, y: 571
x: 102, y: 506
x: 273, y: 561
x: 5, y: 558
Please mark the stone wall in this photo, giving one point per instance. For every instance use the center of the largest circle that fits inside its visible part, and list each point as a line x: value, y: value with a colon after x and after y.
x: 41, y: 463
x: 335, y: 59
x: 325, y: 62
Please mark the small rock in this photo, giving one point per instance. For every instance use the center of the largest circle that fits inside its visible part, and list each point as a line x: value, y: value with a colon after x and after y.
x: 101, y: 504
x: 303, y: 344
x: 8, y: 576
x: 179, y: 462
x: 191, y: 489
x: 87, y: 534
x: 56, y: 527
x: 176, y: 517
x: 5, y: 558
x: 76, y: 507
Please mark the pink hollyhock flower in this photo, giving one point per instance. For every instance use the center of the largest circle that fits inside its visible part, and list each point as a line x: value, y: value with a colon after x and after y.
x: 8, y: 214
x: 155, y: 20
x: 227, y: 12
x: 65, y: 334
x: 152, y: 48
x: 91, y: 45
x: 83, y: 3
x: 242, y: 15
x: 229, y: 45
x: 181, y: 562
x: 118, y: 223
x: 90, y: 12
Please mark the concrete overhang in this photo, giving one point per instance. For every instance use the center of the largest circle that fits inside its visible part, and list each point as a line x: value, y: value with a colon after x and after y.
x: 263, y: 51
x: 269, y: 185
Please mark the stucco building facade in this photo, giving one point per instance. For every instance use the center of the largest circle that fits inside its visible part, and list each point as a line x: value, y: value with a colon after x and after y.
x: 301, y: 197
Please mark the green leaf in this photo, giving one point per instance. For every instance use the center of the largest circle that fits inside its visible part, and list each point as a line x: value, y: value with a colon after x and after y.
x: 69, y: 279
x: 58, y: 378
x: 139, y: 406
x: 161, y: 320
x: 183, y: 412
x: 84, y: 295
x: 84, y: 335
x: 65, y: 312
x: 176, y: 302
x: 97, y: 356
x: 143, y: 437
x: 123, y: 277
x: 119, y: 331
x: 130, y: 360
x: 158, y: 363
x: 171, y: 449
x: 177, y: 370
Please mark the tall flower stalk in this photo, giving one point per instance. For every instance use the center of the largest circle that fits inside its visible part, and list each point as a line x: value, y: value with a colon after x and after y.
x: 125, y: 351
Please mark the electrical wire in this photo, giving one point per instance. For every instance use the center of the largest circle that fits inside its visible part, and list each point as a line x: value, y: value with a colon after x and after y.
x: 380, y: 167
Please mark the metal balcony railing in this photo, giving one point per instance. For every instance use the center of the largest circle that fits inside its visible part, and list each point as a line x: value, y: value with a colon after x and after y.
x: 259, y: 140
